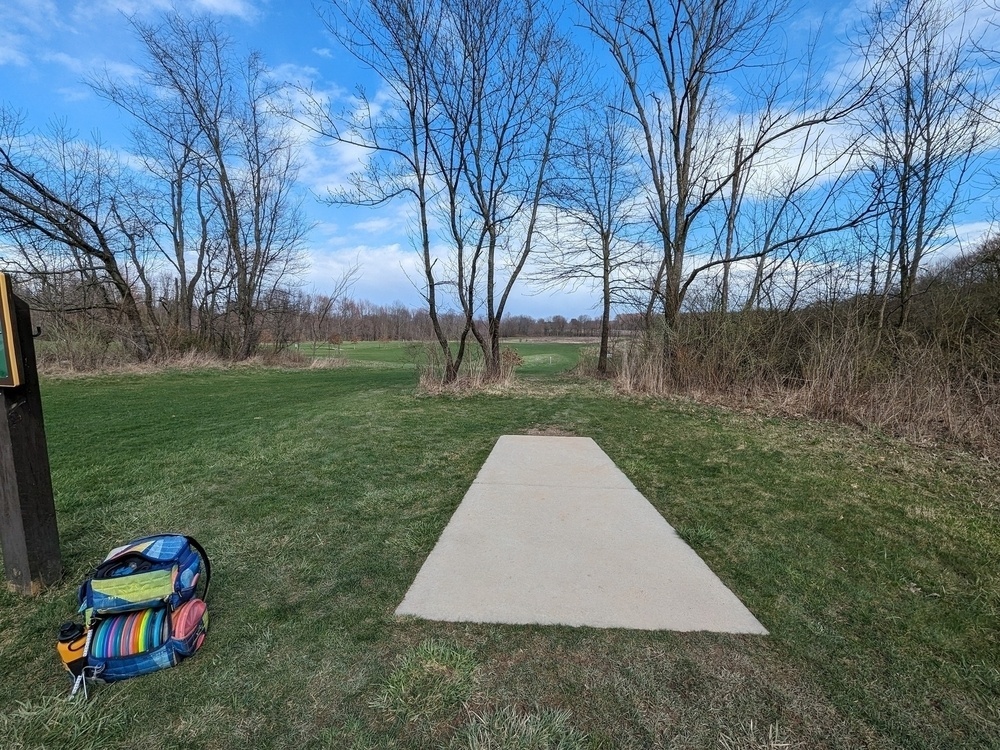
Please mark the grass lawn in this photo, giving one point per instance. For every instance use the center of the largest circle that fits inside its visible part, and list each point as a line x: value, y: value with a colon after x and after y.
x: 319, y: 493
x: 541, y: 358
x: 390, y: 353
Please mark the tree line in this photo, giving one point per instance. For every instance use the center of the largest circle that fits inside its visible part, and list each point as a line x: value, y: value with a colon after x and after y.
x: 311, y: 321
x: 679, y: 156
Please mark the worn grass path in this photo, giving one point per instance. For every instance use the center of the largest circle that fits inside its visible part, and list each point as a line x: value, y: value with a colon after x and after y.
x: 320, y: 493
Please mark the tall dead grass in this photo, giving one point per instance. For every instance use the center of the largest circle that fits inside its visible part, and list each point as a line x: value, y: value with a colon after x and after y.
x: 473, y: 375
x: 901, y: 385
x: 926, y: 390
x: 67, y: 367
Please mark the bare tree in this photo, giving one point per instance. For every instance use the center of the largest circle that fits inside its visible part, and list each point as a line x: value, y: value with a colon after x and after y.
x: 503, y: 100
x: 395, y: 39
x: 467, y: 137
x: 210, y: 131
x: 777, y: 219
x: 321, y: 307
x: 63, y: 205
x: 685, y: 64
x: 177, y: 200
x: 927, y: 127
x: 597, y: 209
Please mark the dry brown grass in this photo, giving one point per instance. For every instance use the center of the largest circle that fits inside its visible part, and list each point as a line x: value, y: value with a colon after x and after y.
x: 467, y: 384
x: 472, y: 378
x: 66, y: 369
x: 549, y: 431
x: 890, y: 383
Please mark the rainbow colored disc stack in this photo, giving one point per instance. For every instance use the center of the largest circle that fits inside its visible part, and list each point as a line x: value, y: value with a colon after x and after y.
x: 130, y: 634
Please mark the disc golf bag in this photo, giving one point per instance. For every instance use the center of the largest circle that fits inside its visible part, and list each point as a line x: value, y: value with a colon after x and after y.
x: 140, y: 608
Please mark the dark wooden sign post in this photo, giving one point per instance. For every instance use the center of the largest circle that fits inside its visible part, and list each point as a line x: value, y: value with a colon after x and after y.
x: 28, y: 533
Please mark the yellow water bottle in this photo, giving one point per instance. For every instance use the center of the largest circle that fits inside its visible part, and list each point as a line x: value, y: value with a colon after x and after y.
x: 72, y: 640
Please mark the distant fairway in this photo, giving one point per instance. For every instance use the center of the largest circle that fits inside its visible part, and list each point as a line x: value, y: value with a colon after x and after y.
x: 546, y: 357
x: 392, y: 353
x: 540, y: 357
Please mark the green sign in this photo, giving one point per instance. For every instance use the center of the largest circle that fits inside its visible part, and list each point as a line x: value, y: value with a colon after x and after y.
x: 4, y: 367
x: 10, y: 351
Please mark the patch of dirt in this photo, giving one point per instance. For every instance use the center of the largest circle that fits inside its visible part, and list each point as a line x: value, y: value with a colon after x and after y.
x: 549, y: 431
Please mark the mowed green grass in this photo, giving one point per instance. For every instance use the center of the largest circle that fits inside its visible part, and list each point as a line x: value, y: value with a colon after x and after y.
x: 541, y: 358
x: 319, y: 493
x: 391, y: 353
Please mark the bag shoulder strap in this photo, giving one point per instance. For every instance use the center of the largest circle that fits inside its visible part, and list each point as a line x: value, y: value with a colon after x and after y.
x: 208, y: 563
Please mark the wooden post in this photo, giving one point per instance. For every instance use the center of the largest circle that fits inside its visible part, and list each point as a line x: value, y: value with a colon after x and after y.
x: 28, y: 532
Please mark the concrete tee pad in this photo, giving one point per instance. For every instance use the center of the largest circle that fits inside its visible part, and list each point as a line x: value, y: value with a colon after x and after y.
x: 552, y: 532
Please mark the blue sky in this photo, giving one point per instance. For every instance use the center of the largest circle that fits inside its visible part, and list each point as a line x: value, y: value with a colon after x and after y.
x: 48, y: 47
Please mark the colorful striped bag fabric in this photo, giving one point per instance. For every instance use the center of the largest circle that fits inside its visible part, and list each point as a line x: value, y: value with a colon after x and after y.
x: 141, y: 642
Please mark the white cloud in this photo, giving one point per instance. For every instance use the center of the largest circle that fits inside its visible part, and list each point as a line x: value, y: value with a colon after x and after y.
x: 118, y: 70
x: 373, y: 225
x: 22, y: 23
x: 387, y: 272
x: 294, y: 75
x: 87, y: 15
x: 80, y: 66
x: 384, y: 243
x: 975, y: 231
x: 322, y: 52
x: 73, y: 64
x: 74, y: 93
x: 328, y: 166
x: 962, y: 238
x: 37, y: 17
x: 570, y: 303
x: 11, y: 48
x: 393, y: 273
x: 243, y: 9
x: 239, y: 8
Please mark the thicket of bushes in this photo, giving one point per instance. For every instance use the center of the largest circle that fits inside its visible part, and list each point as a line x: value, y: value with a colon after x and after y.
x: 939, y: 377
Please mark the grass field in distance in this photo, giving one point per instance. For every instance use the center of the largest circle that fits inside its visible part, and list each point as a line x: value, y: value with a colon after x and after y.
x: 540, y: 357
